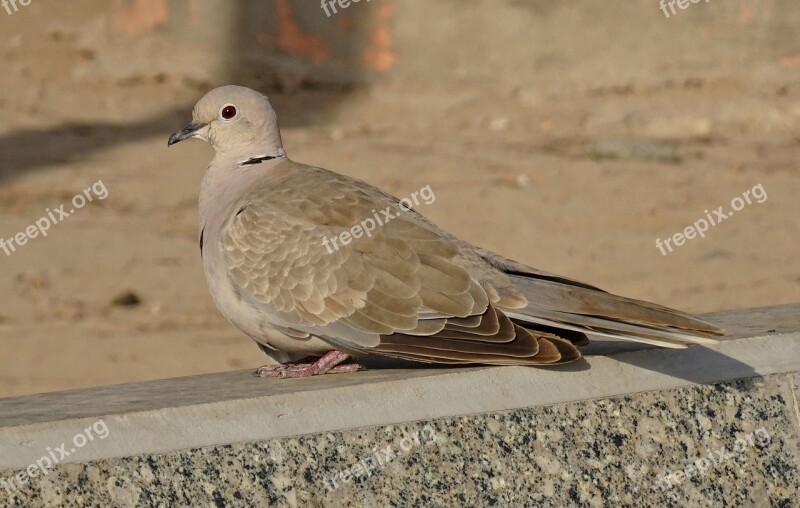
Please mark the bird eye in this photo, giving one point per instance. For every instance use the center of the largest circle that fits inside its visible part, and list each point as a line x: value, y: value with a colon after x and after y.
x: 228, y: 112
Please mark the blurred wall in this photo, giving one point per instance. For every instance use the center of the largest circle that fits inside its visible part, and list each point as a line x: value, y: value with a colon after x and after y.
x: 291, y: 42
x: 274, y: 43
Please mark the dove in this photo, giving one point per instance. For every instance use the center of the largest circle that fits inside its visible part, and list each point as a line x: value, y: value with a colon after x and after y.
x: 407, y: 290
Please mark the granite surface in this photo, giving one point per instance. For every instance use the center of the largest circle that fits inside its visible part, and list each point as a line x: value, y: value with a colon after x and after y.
x: 667, y: 448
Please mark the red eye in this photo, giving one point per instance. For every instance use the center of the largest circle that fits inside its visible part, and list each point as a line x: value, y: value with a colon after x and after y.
x: 228, y: 112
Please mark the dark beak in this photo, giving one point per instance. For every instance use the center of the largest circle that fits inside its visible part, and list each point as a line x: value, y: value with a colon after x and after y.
x: 185, y: 133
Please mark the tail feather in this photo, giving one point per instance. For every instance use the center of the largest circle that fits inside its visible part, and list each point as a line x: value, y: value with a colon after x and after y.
x: 585, y: 310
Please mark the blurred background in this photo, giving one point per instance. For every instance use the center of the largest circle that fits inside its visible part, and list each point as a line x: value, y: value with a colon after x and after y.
x: 569, y: 135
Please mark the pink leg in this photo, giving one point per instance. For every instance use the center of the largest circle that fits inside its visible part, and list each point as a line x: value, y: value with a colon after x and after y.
x: 329, y: 363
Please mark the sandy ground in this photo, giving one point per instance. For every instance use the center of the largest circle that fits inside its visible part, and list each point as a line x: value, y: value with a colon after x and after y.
x: 577, y: 183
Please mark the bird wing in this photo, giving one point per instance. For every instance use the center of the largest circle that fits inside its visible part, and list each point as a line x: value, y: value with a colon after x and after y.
x: 404, y: 290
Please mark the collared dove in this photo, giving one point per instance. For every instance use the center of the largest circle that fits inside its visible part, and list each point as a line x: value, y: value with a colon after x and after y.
x: 407, y: 290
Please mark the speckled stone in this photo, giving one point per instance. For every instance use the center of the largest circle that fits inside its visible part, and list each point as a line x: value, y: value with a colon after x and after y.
x: 608, y: 452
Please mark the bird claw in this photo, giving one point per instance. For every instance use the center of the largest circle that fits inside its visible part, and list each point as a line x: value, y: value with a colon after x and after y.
x: 330, y: 363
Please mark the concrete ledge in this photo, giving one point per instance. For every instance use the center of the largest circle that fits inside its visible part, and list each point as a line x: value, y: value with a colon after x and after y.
x: 182, y: 415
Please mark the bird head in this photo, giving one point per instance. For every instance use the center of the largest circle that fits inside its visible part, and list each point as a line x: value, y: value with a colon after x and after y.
x: 236, y: 120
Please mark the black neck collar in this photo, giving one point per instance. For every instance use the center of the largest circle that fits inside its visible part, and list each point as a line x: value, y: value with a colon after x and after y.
x: 259, y: 160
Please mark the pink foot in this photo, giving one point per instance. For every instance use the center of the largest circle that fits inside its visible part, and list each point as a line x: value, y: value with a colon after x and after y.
x: 329, y: 363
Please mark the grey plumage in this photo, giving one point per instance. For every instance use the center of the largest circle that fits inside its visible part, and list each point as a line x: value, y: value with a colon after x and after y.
x: 410, y: 290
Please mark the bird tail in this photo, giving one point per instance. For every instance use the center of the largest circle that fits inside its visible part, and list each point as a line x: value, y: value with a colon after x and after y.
x: 582, y: 309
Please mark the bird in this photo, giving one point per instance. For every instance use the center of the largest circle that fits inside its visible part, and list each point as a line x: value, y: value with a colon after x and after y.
x: 405, y: 289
